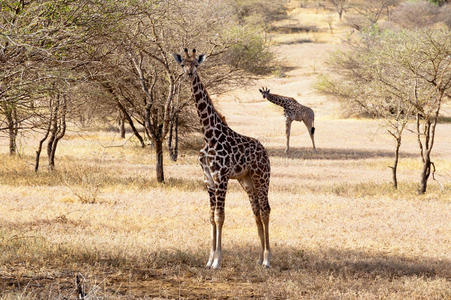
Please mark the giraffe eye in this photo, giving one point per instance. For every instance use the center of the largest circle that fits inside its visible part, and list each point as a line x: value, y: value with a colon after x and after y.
x: 182, y: 65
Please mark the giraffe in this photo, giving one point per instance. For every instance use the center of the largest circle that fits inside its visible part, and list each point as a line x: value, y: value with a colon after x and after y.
x: 293, y: 111
x: 228, y: 155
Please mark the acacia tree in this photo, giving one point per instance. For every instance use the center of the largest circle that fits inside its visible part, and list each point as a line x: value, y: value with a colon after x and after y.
x: 16, y: 73
x: 397, y: 75
x: 371, y: 84
x: 416, y: 15
x: 427, y: 57
x: 53, y: 115
x: 367, y: 13
x: 36, y: 38
x: 136, y: 67
x: 340, y: 6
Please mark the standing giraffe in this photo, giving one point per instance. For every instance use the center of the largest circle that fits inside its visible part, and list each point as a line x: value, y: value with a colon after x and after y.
x: 293, y: 111
x: 228, y: 155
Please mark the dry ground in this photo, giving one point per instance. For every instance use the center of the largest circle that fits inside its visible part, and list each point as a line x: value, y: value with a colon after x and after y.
x: 338, y: 230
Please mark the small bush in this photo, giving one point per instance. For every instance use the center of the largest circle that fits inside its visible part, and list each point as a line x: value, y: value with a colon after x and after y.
x: 250, y: 51
x: 445, y: 15
x: 415, y: 14
x: 84, y: 184
x: 266, y: 11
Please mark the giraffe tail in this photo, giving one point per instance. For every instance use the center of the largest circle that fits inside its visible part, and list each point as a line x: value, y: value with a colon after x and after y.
x: 312, y: 131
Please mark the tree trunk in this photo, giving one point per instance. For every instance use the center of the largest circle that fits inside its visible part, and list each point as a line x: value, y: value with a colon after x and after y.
x: 11, y: 116
x: 132, y: 125
x: 12, y: 139
x: 38, y: 152
x: 50, y: 152
x: 426, y: 148
x: 425, y: 175
x: 41, y: 142
x: 121, y: 123
x: 125, y: 113
x: 159, y: 160
x: 122, y: 127
x: 173, y: 150
x: 395, y: 164
x: 58, y: 129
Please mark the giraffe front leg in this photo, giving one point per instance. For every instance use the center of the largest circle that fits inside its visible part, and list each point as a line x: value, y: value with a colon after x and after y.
x: 288, y: 130
x: 212, y: 195
x: 219, y: 221
x: 210, y: 184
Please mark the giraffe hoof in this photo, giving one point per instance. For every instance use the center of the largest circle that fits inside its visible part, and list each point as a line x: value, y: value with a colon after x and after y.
x: 209, y: 263
x: 265, y: 264
x: 266, y: 259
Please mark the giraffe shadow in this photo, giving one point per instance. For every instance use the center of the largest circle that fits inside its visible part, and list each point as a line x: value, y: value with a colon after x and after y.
x: 358, y: 263
x: 348, y: 263
x: 168, y: 267
x: 332, y: 153
x: 345, y: 263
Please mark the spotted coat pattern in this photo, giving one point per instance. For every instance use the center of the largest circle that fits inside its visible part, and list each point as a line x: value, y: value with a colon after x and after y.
x: 229, y: 155
x: 293, y: 111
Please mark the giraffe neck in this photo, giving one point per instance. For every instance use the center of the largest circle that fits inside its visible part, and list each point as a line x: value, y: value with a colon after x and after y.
x: 278, y: 100
x: 208, y: 115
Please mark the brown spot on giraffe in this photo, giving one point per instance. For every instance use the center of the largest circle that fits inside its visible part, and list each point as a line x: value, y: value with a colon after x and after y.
x: 228, y: 155
x: 293, y: 111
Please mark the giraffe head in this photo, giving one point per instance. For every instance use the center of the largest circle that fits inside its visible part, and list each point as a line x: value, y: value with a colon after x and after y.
x: 264, y: 91
x: 189, y: 63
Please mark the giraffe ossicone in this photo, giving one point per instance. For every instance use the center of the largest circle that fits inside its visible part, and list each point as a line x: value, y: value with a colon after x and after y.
x: 294, y: 111
x: 228, y: 155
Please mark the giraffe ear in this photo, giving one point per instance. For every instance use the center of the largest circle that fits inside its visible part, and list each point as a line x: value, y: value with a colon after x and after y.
x: 178, y: 58
x: 201, y: 58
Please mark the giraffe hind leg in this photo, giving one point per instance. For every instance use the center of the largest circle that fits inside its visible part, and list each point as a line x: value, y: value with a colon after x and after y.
x: 264, y: 216
x: 312, y: 137
x: 311, y: 132
x: 248, y: 186
x: 260, y: 196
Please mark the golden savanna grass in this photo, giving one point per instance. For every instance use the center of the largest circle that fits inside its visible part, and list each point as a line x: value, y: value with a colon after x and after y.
x: 338, y: 229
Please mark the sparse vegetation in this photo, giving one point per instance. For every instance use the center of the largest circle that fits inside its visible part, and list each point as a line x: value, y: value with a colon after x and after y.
x: 339, y: 229
x: 340, y: 6
x: 115, y: 53
x: 394, y: 76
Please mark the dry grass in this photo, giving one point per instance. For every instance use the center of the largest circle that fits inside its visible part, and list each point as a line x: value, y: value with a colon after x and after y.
x: 338, y: 229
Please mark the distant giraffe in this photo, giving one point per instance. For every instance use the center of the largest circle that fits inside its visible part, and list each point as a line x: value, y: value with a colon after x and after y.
x: 293, y: 111
x: 228, y: 155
